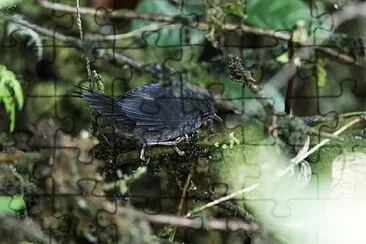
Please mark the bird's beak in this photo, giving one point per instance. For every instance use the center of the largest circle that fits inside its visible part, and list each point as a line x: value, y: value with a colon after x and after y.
x: 214, y: 116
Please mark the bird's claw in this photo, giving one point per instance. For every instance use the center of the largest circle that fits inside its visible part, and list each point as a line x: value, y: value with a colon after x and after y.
x: 180, y: 139
x: 167, y: 143
x: 180, y: 152
x: 177, y: 141
x: 186, y: 137
x: 142, y: 155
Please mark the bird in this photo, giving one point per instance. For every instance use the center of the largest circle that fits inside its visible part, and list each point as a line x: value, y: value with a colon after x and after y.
x: 156, y: 114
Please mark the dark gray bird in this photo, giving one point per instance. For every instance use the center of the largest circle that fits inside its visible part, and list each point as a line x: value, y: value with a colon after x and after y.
x: 155, y: 114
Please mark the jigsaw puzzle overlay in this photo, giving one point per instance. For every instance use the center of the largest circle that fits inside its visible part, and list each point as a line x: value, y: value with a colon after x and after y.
x: 183, y: 121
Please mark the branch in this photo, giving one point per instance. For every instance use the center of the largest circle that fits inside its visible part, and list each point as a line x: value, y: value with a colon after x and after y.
x: 120, y: 13
x: 77, y: 43
x: 325, y: 141
x: 111, y: 54
x: 299, y: 159
x: 41, y: 30
x: 239, y: 73
x: 198, y: 223
x: 80, y: 27
x: 131, y: 14
x: 222, y: 199
x: 134, y: 33
x: 351, y: 11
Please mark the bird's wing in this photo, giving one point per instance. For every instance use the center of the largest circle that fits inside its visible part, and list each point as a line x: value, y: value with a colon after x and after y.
x: 151, y: 112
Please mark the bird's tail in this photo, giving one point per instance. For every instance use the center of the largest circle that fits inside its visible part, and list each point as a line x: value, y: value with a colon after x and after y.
x: 106, y: 105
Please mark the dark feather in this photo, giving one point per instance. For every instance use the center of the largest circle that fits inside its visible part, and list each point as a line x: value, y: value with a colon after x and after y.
x: 153, y: 112
x: 152, y: 107
x: 105, y: 105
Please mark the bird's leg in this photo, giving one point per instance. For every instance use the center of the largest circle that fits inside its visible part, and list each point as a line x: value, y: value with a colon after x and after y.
x: 186, y: 137
x: 142, y: 153
x: 171, y: 143
x: 180, y: 152
x: 181, y: 138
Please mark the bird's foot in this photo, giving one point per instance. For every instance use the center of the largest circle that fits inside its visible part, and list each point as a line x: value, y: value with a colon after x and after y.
x: 179, y: 140
x: 142, y: 155
x: 166, y: 143
x: 180, y: 152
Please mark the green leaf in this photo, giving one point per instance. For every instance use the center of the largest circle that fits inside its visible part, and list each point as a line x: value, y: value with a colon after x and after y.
x: 11, y: 204
x: 11, y: 94
x: 283, y: 58
x: 193, y: 7
x: 167, y: 36
x: 17, y: 203
x: 279, y: 14
x: 321, y: 73
x: 8, y: 3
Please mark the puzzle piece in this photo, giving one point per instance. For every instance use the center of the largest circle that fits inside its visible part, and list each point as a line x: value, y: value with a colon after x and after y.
x: 105, y: 195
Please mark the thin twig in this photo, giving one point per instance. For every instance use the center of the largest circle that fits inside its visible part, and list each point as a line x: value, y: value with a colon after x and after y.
x: 75, y: 42
x: 353, y: 10
x: 183, y: 199
x: 41, y: 30
x: 80, y: 27
x: 239, y: 73
x: 185, y: 190
x: 324, y: 134
x: 120, y: 13
x: 197, y: 223
x: 222, y: 199
x: 319, y: 145
x: 325, y: 141
x: 134, y: 33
